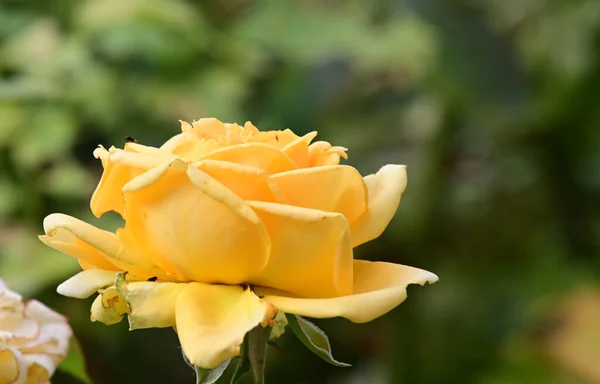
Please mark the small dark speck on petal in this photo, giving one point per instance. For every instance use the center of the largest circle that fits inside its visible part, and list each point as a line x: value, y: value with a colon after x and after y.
x: 153, y: 278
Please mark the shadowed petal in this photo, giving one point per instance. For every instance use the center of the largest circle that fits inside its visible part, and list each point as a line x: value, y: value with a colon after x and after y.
x: 385, y: 190
x: 13, y: 366
x: 212, y: 321
x: 109, y: 307
x: 311, y: 253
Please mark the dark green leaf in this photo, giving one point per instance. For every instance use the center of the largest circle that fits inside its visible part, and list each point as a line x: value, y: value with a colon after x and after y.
x: 243, y: 366
x: 315, y: 339
x: 74, y: 363
x: 258, y: 340
x: 210, y: 376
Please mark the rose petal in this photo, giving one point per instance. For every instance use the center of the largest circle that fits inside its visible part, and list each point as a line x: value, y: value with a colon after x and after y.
x: 321, y: 153
x: 190, y: 223
x: 17, y: 326
x: 297, y: 150
x: 194, y: 149
x: 177, y: 140
x: 109, y: 307
x: 120, y: 166
x: 206, y: 128
x: 385, y: 190
x: 247, y: 182
x: 276, y: 139
x: 337, y: 188
x: 378, y: 288
x: 13, y: 367
x: 54, y: 332
x: 9, y: 299
x: 147, y: 304
x: 86, y: 283
x: 42, y: 314
x: 257, y: 155
x: 212, y: 321
x: 41, y: 367
x: 79, y: 239
x: 66, y: 242
x: 152, y: 304
x: 311, y: 254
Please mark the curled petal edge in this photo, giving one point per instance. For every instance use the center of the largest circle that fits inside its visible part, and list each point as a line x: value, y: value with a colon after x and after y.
x: 378, y: 288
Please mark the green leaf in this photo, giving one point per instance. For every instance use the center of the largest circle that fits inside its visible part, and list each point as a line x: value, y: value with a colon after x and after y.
x: 210, y: 376
x: 258, y: 339
x: 315, y: 339
x: 243, y: 366
x: 74, y: 363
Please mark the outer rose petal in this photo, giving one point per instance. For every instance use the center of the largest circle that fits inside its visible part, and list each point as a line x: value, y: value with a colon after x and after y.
x: 337, y: 188
x: 311, y: 252
x: 190, y: 223
x: 120, y: 166
x: 51, y: 345
x: 109, y: 307
x: 17, y: 326
x: 66, y: 242
x: 147, y: 304
x: 378, y: 288
x: 76, y: 238
x: 9, y: 299
x: 257, y: 155
x: 152, y: 304
x: 385, y: 190
x: 212, y: 321
x: 41, y: 367
x: 86, y: 283
x: 13, y: 367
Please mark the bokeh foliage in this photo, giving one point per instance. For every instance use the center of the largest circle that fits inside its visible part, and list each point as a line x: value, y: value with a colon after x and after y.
x: 492, y: 104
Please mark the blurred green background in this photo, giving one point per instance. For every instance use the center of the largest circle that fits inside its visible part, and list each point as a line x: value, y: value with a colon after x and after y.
x: 492, y: 104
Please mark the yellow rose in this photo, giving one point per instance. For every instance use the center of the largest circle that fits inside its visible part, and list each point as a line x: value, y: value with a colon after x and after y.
x: 33, y: 339
x: 218, y: 207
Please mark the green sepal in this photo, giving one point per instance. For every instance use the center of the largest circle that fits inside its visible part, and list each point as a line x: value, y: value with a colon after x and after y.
x: 279, y: 327
x: 121, y: 283
x: 243, y: 365
x: 258, y: 343
x: 313, y: 338
x: 210, y: 376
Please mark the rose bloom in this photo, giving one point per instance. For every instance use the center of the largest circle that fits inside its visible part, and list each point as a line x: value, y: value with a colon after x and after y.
x: 219, y: 208
x: 33, y: 339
